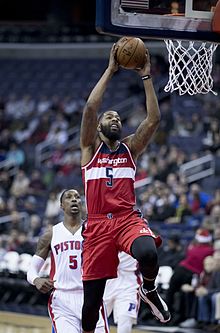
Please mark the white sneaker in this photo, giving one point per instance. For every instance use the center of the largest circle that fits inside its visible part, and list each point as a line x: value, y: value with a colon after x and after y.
x: 188, y: 323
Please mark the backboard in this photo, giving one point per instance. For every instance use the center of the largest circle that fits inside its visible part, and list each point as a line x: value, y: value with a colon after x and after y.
x: 157, y: 19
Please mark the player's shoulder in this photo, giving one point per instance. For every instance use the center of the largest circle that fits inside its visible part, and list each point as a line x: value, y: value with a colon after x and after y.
x: 45, y: 239
x: 57, y: 226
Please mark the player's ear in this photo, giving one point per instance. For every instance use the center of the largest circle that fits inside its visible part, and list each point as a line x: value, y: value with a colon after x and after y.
x: 99, y: 128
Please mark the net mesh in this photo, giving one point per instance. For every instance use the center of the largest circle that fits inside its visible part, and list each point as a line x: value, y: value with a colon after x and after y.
x: 190, y: 67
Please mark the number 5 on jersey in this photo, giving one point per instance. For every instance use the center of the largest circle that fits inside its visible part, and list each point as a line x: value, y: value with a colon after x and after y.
x: 109, y: 175
x: 73, y: 262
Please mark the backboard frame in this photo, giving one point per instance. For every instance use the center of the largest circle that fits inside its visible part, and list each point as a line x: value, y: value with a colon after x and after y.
x: 110, y: 19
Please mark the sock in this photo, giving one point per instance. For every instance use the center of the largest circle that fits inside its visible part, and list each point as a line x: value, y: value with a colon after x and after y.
x: 148, y: 285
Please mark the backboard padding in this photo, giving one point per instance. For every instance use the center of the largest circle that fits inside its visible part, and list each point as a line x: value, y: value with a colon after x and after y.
x: 141, y: 18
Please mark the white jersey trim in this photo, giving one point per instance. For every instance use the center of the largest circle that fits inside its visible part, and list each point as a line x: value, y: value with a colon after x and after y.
x: 97, y: 173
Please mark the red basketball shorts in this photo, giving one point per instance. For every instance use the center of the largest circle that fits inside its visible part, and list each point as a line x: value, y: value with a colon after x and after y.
x: 106, y: 235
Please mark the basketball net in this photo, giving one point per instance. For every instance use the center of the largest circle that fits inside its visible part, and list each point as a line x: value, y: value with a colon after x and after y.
x: 190, y: 67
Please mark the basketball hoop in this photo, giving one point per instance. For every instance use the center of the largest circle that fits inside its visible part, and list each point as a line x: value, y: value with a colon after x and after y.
x: 190, y: 68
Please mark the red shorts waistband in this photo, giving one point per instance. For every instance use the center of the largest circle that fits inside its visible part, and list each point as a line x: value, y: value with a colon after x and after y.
x: 110, y: 215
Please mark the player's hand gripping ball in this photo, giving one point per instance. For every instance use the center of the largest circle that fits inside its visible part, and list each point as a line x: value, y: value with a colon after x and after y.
x: 131, y: 53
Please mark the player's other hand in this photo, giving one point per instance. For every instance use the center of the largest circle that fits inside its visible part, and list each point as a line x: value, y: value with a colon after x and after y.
x: 145, y: 70
x: 113, y: 65
x: 44, y: 284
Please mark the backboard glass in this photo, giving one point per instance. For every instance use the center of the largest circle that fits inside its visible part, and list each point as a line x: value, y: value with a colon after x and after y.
x: 157, y: 19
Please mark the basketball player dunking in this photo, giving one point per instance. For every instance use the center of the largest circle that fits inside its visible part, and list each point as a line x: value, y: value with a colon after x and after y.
x: 108, y: 170
x: 64, y: 242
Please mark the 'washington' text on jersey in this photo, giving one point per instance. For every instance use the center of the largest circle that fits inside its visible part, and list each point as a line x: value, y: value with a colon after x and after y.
x: 114, y: 162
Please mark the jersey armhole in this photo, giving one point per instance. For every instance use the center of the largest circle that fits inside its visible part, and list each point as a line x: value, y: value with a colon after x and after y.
x: 94, y: 156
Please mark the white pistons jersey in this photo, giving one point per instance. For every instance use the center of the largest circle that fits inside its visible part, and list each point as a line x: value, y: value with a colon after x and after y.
x: 66, y: 300
x: 66, y: 252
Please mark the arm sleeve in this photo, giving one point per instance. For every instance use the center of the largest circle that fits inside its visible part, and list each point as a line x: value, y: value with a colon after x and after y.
x: 34, y: 269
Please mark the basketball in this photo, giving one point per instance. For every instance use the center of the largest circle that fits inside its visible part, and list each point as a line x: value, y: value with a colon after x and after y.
x: 216, y: 18
x: 131, y: 53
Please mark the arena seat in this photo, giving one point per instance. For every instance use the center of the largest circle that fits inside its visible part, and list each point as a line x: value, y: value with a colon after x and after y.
x: 163, y: 277
x: 11, y: 260
x: 24, y: 262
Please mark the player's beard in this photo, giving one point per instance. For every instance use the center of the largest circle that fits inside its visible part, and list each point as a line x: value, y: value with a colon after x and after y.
x: 111, y: 135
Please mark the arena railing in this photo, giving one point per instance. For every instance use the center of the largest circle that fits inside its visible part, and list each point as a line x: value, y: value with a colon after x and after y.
x: 10, y: 166
x: 199, y: 168
x: 23, y: 216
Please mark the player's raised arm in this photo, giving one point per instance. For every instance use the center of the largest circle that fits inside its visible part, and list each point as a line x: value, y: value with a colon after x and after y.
x: 43, y: 247
x: 89, y: 118
x: 139, y: 141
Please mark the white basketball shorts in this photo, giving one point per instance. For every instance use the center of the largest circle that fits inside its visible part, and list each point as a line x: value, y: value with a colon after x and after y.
x: 65, y: 310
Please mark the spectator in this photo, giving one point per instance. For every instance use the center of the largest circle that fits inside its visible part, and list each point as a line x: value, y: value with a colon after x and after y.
x: 198, y: 284
x: 24, y: 245
x: 15, y: 155
x: 36, y: 185
x: 172, y: 253
x: 52, y: 206
x: 183, y: 211
x: 20, y: 184
x: 198, y: 199
x: 207, y: 296
x: 35, y: 226
x: 196, y: 252
x: 5, y: 183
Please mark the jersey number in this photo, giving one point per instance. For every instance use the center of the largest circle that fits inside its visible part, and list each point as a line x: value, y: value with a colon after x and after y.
x: 73, y: 262
x: 109, y: 174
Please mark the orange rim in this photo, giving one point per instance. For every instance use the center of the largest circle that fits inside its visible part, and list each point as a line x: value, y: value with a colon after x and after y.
x: 175, y: 14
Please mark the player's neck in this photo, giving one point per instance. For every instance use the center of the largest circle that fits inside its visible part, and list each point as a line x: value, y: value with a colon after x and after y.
x: 72, y: 224
x: 112, y: 145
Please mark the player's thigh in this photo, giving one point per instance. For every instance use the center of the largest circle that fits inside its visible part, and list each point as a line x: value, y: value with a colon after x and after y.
x: 109, y: 304
x: 126, y: 308
x: 71, y: 325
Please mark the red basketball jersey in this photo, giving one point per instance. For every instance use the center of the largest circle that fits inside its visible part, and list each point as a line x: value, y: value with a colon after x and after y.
x: 109, y: 180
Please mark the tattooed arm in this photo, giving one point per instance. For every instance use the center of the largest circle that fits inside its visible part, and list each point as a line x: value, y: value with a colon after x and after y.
x: 88, y: 133
x: 141, y: 138
x: 43, y: 247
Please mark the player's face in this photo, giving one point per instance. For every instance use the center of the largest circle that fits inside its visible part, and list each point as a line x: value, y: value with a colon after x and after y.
x: 71, y: 202
x: 110, y: 125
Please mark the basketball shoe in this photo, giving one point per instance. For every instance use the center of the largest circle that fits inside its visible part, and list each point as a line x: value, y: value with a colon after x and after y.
x: 157, y: 306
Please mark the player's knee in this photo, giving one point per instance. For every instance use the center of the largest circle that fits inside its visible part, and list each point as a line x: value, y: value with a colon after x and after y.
x: 149, y: 258
x: 144, y: 251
